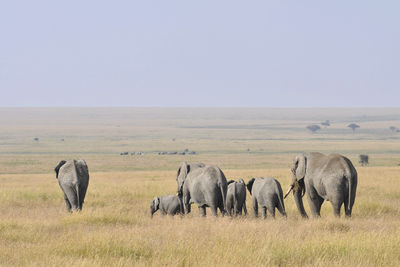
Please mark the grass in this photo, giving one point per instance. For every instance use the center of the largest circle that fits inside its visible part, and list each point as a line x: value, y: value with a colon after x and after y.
x: 115, y: 228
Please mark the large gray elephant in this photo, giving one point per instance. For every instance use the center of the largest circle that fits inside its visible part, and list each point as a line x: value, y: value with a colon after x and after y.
x: 204, y: 185
x: 170, y: 204
x: 323, y: 177
x: 73, y: 178
x: 266, y: 192
x: 236, y: 198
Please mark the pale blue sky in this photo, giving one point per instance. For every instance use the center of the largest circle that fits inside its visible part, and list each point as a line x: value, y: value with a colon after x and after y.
x: 200, y: 53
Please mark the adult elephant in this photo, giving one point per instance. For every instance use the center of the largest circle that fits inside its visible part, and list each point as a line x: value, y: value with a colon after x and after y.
x: 323, y: 177
x: 204, y: 185
x: 73, y: 178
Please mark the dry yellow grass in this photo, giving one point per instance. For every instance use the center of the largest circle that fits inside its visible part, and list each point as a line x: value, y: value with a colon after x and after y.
x: 115, y: 228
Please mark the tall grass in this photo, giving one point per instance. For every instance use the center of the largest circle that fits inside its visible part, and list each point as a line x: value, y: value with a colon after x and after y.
x: 115, y: 228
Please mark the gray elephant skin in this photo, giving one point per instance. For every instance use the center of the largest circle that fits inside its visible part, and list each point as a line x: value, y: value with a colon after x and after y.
x: 266, y: 192
x: 236, y: 198
x: 323, y: 177
x: 204, y: 185
x: 73, y: 178
x: 170, y: 204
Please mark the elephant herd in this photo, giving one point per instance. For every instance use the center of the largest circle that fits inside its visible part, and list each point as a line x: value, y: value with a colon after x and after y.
x: 320, y: 177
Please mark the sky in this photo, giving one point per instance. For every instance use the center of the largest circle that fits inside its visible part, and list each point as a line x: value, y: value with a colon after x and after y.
x: 200, y: 53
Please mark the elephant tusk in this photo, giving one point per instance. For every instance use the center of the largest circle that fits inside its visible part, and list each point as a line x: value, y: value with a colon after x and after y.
x: 290, y: 189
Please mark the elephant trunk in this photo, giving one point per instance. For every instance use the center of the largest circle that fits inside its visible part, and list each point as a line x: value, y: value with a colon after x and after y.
x: 298, y: 193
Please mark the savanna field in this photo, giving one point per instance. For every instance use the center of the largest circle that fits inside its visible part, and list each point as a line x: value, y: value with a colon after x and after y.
x: 115, y: 229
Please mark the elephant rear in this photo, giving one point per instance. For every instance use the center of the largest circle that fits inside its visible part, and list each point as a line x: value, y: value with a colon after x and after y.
x: 73, y: 178
x: 206, y: 186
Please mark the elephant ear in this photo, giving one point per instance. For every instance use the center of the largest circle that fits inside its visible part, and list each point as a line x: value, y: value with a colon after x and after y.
x: 157, y: 203
x: 230, y: 181
x: 299, y: 167
x: 183, y: 171
x: 59, y: 165
x: 250, y: 184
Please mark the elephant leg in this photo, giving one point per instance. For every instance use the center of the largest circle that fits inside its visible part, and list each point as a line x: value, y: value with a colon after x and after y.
x: 186, y: 203
x: 222, y: 210
x: 213, y: 211
x: 336, y: 209
x: 235, y: 208
x: 271, y: 210
x: 67, y: 204
x: 315, y: 205
x: 72, y: 197
x: 264, y: 212
x: 82, y: 195
x: 255, y: 207
x: 337, y: 204
x: 202, y: 210
x: 347, y: 211
x: 245, y: 209
x: 281, y: 210
x: 229, y: 210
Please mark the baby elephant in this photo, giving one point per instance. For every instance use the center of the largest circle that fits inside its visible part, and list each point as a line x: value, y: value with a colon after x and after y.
x: 236, y: 198
x: 170, y: 204
x: 267, y: 193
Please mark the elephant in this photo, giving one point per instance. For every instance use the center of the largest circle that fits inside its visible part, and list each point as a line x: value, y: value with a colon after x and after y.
x: 323, y: 177
x: 170, y: 204
x: 73, y: 178
x: 236, y: 197
x: 266, y: 192
x: 204, y: 185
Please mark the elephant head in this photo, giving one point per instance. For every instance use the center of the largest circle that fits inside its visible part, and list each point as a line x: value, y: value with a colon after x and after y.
x: 299, y: 169
x: 241, y: 181
x: 154, y: 206
x: 250, y: 184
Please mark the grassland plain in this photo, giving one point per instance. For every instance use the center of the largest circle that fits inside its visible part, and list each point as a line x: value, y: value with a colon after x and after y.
x: 115, y: 228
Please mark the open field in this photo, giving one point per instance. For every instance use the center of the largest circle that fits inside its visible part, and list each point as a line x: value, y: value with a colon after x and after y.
x: 114, y: 227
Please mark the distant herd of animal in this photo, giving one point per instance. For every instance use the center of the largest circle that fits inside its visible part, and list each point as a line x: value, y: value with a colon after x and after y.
x: 320, y: 177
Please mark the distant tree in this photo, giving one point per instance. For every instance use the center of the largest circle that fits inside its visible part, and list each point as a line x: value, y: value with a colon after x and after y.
x: 353, y: 126
x: 36, y: 139
x: 326, y: 123
x: 393, y: 128
x: 313, y: 128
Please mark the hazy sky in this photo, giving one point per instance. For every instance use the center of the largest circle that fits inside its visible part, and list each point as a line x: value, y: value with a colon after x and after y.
x: 200, y: 53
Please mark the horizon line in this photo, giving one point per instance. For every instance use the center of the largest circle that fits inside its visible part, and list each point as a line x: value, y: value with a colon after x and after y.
x: 221, y: 107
